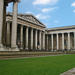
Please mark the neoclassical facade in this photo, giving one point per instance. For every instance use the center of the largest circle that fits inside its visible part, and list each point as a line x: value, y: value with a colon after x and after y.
x: 24, y: 32
x: 30, y: 33
x: 62, y: 38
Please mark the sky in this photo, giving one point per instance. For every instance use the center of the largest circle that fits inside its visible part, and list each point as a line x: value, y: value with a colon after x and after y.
x: 52, y: 13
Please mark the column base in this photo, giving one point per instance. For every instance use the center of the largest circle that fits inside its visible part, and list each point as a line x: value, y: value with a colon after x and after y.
x: 26, y: 49
x: 14, y: 49
x: 36, y: 49
x: 2, y: 48
x: 1, y: 45
x: 47, y: 49
x: 52, y: 50
x: 69, y: 49
x: 21, y: 48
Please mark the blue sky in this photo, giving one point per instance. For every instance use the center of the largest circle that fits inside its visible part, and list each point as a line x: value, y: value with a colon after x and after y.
x: 53, y: 13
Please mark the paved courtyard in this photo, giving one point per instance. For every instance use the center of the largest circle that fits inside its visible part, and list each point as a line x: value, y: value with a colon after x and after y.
x: 69, y: 72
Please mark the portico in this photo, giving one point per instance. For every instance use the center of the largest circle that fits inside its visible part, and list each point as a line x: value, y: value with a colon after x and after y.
x: 3, y: 29
x: 64, y: 39
x: 24, y: 32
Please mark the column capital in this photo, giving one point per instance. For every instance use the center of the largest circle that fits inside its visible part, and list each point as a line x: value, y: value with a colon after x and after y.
x: 21, y: 25
x: 40, y: 31
x: 68, y: 32
x: 31, y: 28
x: 27, y: 27
x: 62, y: 33
x: 8, y: 22
x: 57, y: 33
x: 51, y: 33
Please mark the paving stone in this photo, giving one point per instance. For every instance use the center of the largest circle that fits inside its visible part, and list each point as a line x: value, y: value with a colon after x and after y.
x: 69, y: 72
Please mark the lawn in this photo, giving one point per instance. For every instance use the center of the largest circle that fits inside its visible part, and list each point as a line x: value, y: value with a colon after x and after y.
x: 50, y: 65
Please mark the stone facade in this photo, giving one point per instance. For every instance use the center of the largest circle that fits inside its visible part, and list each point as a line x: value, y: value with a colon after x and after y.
x: 23, y: 32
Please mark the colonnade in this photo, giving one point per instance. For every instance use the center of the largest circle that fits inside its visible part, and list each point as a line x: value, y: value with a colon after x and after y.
x: 9, y: 32
x: 62, y: 41
x: 27, y: 38
x: 30, y: 38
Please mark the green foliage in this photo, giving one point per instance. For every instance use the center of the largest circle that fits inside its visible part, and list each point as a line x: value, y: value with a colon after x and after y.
x: 50, y: 65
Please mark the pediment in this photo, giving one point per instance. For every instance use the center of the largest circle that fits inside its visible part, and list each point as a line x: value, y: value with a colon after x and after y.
x: 32, y: 19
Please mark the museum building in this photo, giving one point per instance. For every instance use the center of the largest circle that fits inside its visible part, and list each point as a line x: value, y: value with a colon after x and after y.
x: 24, y: 32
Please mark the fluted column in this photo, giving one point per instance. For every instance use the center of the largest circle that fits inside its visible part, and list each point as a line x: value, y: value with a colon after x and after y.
x: 62, y: 41
x: 47, y: 42
x: 43, y: 40
x: 14, y: 26
x: 52, y: 41
x: 36, y: 39
x: 26, y: 38
x: 21, y: 35
x: 68, y: 41
x: 57, y: 42
x: 1, y: 20
x: 32, y: 38
x: 4, y: 25
x: 74, y: 40
x: 40, y: 39
x: 8, y: 34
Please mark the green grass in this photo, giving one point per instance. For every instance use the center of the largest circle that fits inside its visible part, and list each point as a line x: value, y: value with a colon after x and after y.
x: 51, y: 65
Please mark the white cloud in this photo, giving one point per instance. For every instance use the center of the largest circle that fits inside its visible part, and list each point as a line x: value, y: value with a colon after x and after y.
x: 74, y: 11
x: 73, y: 4
x: 56, y: 21
x: 28, y: 12
x: 44, y: 2
x: 40, y: 16
x: 48, y: 9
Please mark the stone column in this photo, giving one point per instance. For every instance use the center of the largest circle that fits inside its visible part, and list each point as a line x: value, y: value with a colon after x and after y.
x: 62, y: 41
x: 21, y: 35
x: 43, y: 40
x: 52, y: 41
x: 47, y: 42
x: 74, y: 40
x: 40, y: 39
x: 57, y: 41
x: 68, y: 41
x: 14, y: 26
x: 8, y: 34
x: 1, y: 21
x: 36, y: 39
x: 4, y: 25
x: 32, y: 38
x: 26, y: 38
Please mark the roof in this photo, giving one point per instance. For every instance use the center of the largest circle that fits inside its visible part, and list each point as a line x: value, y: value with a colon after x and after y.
x: 61, y: 28
x: 29, y: 18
